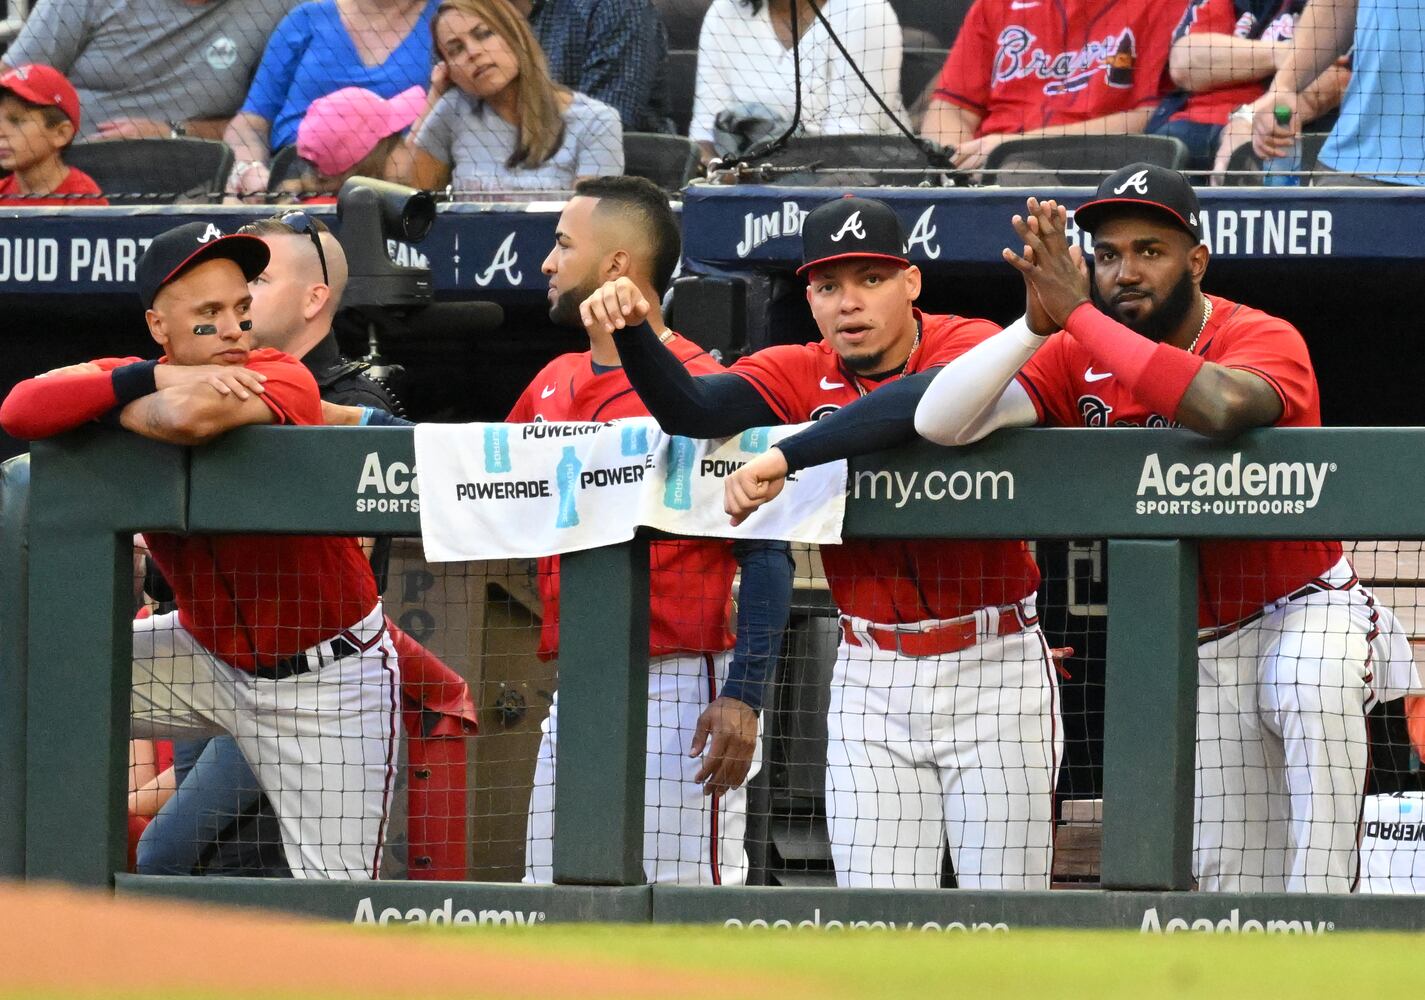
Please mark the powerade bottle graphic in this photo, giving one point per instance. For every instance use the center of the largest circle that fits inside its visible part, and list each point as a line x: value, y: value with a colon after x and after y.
x: 566, y: 480
x: 497, y: 449
x: 754, y: 439
x: 634, y: 441
x: 678, y: 492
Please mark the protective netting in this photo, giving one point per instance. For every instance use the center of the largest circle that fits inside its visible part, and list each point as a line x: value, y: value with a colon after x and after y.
x: 272, y: 100
x: 964, y: 752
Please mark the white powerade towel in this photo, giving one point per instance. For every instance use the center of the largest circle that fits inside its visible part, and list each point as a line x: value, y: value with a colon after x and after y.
x: 514, y: 491
x: 1393, y: 843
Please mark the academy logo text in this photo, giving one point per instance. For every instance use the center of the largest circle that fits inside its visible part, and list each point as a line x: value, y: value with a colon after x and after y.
x: 1232, y: 487
x: 936, y: 486
x: 445, y: 915
x: 815, y: 922
x: 389, y: 488
x: 1153, y: 923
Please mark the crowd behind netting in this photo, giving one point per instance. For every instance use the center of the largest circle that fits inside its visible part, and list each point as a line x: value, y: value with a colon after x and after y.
x: 280, y: 100
x: 950, y: 744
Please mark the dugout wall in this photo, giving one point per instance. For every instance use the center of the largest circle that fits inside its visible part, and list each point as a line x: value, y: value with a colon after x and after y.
x: 91, y: 490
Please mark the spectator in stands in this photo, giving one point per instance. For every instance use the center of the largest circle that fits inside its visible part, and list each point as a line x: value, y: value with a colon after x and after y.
x: 39, y: 114
x: 746, y: 85
x: 494, y: 119
x: 1379, y: 136
x: 353, y: 133
x: 1224, y: 54
x: 151, y: 68
x: 615, y: 51
x: 322, y: 46
x: 1028, y: 70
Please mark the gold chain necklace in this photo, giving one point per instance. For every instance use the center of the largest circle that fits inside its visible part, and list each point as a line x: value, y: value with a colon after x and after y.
x: 861, y: 390
x: 1206, y: 315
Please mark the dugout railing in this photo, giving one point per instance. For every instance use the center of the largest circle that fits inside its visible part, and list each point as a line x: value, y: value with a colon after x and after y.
x: 62, y: 789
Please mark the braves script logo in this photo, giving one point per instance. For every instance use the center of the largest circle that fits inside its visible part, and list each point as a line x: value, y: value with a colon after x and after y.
x: 210, y: 234
x: 853, y: 226
x: 1138, y: 182
x: 1017, y: 57
x: 504, y: 263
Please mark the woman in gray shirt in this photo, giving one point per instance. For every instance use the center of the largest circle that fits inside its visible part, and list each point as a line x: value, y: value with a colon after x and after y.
x: 495, y: 121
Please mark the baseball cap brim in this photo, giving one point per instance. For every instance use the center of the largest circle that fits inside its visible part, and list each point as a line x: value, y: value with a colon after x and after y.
x: 1090, y: 214
x: 899, y: 261
x: 31, y: 94
x: 248, y: 252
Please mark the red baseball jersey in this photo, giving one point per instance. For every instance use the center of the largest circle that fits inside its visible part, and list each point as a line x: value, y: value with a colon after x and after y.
x: 1028, y: 64
x: 253, y: 600
x: 1219, y: 17
x: 894, y: 582
x: 690, y: 582
x: 1235, y: 578
x: 75, y: 183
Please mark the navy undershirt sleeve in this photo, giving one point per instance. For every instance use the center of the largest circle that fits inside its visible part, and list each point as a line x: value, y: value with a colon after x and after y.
x: 763, y: 604
x: 882, y: 419
x: 706, y: 406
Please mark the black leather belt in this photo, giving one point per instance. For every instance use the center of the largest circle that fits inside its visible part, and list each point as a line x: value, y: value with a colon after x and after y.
x: 300, y: 663
x: 1207, y: 635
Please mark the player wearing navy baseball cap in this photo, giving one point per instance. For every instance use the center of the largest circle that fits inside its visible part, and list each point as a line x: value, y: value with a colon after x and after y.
x: 1147, y: 186
x: 955, y: 618
x: 174, y: 252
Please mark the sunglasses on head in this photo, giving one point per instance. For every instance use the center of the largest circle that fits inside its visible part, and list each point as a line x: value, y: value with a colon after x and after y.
x: 303, y: 224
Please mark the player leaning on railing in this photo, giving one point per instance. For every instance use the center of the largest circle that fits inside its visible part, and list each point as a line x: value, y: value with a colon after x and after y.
x: 944, y: 719
x: 255, y: 612
x: 1292, y: 650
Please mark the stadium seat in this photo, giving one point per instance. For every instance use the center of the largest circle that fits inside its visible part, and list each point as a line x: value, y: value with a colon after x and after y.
x: 137, y: 171
x: 1244, y: 159
x: 849, y: 161
x: 942, y: 18
x: 1078, y: 159
x: 682, y: 83
x: 684, y: 20
x: 670, y: 161
x: 918, y: 67
x: 285, y: 165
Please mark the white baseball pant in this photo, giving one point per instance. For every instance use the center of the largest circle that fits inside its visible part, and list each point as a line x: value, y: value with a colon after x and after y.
x: 1282, y: 743
x: 960, y: 749
x: 322, y: 744
x: 688, y: 838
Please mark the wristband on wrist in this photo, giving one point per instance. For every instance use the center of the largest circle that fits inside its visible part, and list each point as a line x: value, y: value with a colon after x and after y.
x: 1158, y: 375
x: 134, y: 381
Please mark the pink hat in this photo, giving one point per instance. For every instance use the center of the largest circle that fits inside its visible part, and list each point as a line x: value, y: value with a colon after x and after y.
x: 45, y: 86
x: 342, y: 128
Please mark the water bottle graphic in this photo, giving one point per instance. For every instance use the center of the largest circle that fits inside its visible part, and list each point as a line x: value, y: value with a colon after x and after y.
x: 1282, y: 171
x: 678, y: 492
x: 634, y: 441
x: 497, y: 449
x: 566, y: 481
x: 754, y: 439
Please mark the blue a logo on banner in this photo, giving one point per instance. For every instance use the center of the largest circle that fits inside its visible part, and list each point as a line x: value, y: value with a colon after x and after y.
x: 678, y: 491
x: 754, y: 439
x: 567, y: 482
x: 497, y: 449
x: 634, y: 441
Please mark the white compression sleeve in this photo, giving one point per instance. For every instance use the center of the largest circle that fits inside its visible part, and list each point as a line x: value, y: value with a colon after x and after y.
x: 976, y: 393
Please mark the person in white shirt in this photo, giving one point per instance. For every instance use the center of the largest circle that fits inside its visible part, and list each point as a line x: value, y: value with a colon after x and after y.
x: 745, y: 66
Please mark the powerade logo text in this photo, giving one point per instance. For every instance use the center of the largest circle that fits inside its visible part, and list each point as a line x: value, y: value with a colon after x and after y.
x: 1231, y: 924
x: 390, y: 488
x: 815, y: 921
x: 1231, y: 487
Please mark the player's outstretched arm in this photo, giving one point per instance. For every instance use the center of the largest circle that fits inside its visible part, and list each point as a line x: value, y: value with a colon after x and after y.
x: 191, y: 414
x: 726, y: 732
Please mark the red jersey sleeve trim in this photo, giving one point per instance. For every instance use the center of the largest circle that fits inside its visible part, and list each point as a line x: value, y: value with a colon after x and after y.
x: 1041, y: 408
x: 1269, y: 379
x: 767, y: 395
x: 950, y: 97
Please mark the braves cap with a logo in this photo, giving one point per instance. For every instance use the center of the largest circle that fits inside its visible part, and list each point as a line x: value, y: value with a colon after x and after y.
x: 36, y: 83
x: 1143, y: 184
x: 176, y: 251
x: 852, y: 227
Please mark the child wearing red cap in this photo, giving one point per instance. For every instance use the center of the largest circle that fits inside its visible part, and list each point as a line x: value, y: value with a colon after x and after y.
x: 39, y: 115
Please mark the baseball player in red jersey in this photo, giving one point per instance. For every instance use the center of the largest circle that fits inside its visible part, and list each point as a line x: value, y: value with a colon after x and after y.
x: 943, y: 723
x: 1292, y: 650
x: 699, y: 706
x: 1040, y: 68
x: 278, y: 640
